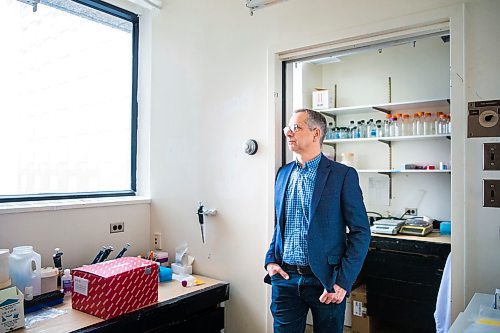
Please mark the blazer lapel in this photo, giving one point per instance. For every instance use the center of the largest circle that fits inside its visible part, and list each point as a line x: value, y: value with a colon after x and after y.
x: 281, y: 184
x: 321, y: 176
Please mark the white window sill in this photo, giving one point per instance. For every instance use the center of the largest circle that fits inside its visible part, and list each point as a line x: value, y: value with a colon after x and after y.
x: 45, y: 205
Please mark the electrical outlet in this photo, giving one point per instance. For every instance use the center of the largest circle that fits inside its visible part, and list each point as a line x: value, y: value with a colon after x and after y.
x: 116, y: 227
x: 411, y: 211
x: 157, y: 240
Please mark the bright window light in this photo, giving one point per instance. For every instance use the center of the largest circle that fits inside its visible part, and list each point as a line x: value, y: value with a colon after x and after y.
x: 67, y: 118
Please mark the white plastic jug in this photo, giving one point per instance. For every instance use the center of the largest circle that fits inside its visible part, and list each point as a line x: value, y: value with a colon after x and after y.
x: 25, y: 269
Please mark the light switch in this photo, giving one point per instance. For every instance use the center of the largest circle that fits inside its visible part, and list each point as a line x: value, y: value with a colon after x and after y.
x: 491, y: 193
x: 491, y: 156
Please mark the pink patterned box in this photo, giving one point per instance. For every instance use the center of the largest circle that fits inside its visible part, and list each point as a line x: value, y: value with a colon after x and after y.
x: 115, y: 287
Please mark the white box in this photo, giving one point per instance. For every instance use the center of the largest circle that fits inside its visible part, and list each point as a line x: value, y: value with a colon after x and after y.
x: 181, y: 270
x: 11, y: 309
x: 321, y: 99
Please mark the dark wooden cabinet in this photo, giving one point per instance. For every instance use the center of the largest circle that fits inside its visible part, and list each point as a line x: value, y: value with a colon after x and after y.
x: 402, y: 281
x: 199, y: 311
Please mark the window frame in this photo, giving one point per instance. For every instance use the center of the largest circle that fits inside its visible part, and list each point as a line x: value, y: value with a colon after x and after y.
x: 134, y: 19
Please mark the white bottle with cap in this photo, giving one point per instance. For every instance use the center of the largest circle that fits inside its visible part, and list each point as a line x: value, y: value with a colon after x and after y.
x: 25, y: 269
x: 66, y: 282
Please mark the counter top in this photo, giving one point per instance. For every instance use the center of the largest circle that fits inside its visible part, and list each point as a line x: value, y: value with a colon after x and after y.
x: 433, y: 237
x: 466, y: 318
x: 169, y: 293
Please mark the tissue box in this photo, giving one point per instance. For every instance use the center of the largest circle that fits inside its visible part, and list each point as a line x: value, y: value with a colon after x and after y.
x: 181, y: 270
x: 11, y: 309
x: 115, y: 287
x: 321, y: 99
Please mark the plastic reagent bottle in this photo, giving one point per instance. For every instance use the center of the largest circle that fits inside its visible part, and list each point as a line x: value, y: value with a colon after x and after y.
x: 66, y: 282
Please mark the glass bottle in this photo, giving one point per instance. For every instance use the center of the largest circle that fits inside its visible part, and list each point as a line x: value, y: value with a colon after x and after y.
x: 414, y: 124
x: 371, y: 129
x: 363, y: 129
x: 358, y: 130
x: 399, y: 125
x: 354, y: 132
x: 392, y: 127
x: 407, y: 125
x: 437, y: 120
x: 420, y: 124
x: 441, y: 129
x: 387, y: 123
x: 350, y: 129
x: 427, y: 123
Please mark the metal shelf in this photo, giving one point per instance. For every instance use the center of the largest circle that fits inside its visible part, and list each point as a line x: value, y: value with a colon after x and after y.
x: 435, y: 105
x: 390, y: 138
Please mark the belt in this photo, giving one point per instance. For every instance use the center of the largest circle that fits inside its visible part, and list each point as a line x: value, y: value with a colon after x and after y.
x: 302, y: 270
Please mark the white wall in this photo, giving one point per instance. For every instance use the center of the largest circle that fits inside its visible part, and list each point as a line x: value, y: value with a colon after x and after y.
x: 482, y: 225
x: 212, y: 88
x: 212, y: 83
x: 79, y: 233
x: 417, y: 73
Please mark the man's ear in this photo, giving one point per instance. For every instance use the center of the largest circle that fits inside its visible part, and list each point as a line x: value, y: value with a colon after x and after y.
x: 317, y: 134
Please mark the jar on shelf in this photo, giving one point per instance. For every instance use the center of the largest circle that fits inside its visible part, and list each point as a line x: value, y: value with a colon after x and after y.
x: 347, y: 159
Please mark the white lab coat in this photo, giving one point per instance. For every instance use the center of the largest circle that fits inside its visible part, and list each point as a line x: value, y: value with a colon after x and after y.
x: 442, y: 315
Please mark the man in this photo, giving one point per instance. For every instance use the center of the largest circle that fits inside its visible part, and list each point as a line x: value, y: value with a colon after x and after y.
x: 312, y: 261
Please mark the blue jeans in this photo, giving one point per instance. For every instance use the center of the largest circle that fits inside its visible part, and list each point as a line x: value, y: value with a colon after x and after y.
x: 291, y: 300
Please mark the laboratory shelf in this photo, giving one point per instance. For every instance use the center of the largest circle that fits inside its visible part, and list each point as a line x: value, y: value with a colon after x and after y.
x: 390, y: 138
x: 434, y: 105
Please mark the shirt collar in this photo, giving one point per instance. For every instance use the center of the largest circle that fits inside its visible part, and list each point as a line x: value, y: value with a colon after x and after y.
x: 313, y: 164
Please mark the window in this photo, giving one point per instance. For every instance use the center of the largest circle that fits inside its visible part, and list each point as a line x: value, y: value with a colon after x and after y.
x: 68, y: 118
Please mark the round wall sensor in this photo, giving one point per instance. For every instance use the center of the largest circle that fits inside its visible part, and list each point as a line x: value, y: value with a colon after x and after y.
x: 250, y: 147
x: 488, y: 118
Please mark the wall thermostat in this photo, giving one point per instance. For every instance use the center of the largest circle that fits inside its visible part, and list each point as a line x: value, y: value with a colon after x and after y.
x: 484, y: 119
x: 250, y: 147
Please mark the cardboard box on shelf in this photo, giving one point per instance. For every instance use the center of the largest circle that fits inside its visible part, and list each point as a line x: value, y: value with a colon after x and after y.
x: 115, y: 287
x: 321, y: 99
x: 11, y: 309
x: 361, y: 323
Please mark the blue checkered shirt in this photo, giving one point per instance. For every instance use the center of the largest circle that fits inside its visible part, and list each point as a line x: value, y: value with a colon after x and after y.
x: 297, y: 201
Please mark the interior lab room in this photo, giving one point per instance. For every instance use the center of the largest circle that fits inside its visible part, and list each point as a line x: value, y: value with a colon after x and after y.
x: 141, y: 141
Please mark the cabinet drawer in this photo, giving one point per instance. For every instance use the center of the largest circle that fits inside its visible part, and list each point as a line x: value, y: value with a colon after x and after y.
x: 411, y: 246
x: 416, y: 315
x: 401, y: 289
x: 405, y: 267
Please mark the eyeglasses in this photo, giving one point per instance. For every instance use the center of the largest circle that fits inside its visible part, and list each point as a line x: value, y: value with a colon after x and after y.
x: 294, y: 128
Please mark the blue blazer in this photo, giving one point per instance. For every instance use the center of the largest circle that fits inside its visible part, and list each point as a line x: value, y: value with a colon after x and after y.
x: 335, y: 257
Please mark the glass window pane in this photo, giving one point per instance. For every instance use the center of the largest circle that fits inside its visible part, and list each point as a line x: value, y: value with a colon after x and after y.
x: 66, y: 87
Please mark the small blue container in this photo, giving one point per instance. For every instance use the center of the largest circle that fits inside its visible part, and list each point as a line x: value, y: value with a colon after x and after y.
x: 165, y: 274
x: 445, y: 228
